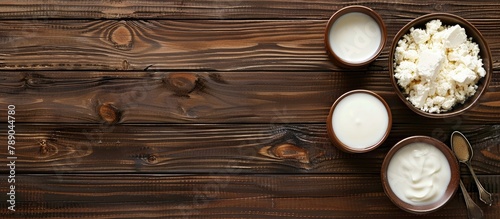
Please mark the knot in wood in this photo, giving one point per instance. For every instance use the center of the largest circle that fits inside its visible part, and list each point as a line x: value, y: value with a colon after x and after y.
x: 181, y: 83
x: 152, y: 159
x: 121, y: 37
x: 109, y: 113
x: 287, y: 151
x: 125, y: 65
x: 43, y: 147
x: 30, y: 80
x: 290, y: 151
x: 46, y: 149
x: 438, y: 7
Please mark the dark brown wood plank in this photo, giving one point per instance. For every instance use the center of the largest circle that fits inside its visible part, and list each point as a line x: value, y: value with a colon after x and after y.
x: 218, y: 196
x: 231, y: 9
x: 202, y: 97
x: 222, y: 45
x: 153, y: 44
x: 194, y: 74
x: 235, y: 148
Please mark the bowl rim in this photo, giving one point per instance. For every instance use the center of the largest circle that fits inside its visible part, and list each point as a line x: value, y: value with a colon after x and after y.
x: 345, y: 10
x: 331, y: 133
x: 472, y: 32
x: 450, y: 189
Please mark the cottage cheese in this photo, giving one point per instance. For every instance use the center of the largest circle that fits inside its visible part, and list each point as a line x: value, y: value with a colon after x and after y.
x: 438, y: 67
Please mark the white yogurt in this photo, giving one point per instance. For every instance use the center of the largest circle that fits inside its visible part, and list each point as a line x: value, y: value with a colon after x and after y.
x: 355, y: 37
x: 360, y: 120
x: 419, y: 174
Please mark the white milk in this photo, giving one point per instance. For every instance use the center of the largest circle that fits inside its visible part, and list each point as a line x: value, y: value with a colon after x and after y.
x: 419, y: 174
x: 360, y: 120
x: 355, y: 37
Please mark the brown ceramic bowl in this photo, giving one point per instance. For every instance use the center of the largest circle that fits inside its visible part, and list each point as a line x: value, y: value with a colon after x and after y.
x: 477, y: 37
x: 450, y: 189
x: 361, y: 9
x: 332, y: 132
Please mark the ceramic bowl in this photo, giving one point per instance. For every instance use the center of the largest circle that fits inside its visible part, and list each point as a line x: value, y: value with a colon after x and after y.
x: 450, y: 189
x: 471, y: 31
x: 332, y: 132
x: 336, y: 59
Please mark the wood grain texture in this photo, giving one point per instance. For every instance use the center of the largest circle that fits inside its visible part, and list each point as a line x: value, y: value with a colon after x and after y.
x: 217, y: 196
x: 231, y: 9
x: 198, y: 148
x: 215, y: 45
x: 203, y: 97
x: 208, y: 109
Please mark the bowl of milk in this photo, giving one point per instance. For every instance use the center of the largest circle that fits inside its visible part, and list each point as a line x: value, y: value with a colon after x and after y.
x: 359, y: 121
x: 355, y: 36
x: 420, y: 174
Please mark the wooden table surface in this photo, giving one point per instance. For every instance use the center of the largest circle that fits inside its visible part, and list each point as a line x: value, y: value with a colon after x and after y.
x: 208, y: 109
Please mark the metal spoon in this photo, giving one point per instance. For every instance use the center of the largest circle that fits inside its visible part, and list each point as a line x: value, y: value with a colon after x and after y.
x: 463, y: 151
x: 473, y: 211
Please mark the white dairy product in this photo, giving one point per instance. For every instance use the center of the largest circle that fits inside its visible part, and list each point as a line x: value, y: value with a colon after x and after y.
x: 454, y: 37
x: 419, y: 174
x: 429, y: 63
x: 360, y: 120
x: 437, y: 67
x: 355, y: 37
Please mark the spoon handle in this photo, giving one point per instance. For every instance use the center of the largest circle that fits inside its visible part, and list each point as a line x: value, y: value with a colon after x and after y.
x: 473, y: 211
x: 484, y: 195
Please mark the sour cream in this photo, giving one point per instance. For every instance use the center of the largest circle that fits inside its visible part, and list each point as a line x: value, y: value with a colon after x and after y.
x: 419, y: 174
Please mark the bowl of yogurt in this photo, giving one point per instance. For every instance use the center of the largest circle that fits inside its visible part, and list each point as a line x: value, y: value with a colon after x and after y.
x: 355, y: 36
x: 440, y: 65
x: 420, y: 174
x: 359, y: 121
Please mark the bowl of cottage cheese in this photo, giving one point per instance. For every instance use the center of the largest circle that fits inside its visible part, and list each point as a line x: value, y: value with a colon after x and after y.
x: 439, y: 65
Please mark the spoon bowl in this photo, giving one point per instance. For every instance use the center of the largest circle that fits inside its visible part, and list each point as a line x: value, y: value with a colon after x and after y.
x: 463, y: 151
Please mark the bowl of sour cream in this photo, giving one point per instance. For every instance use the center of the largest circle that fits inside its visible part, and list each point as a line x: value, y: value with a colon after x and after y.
x: 420, y: 174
